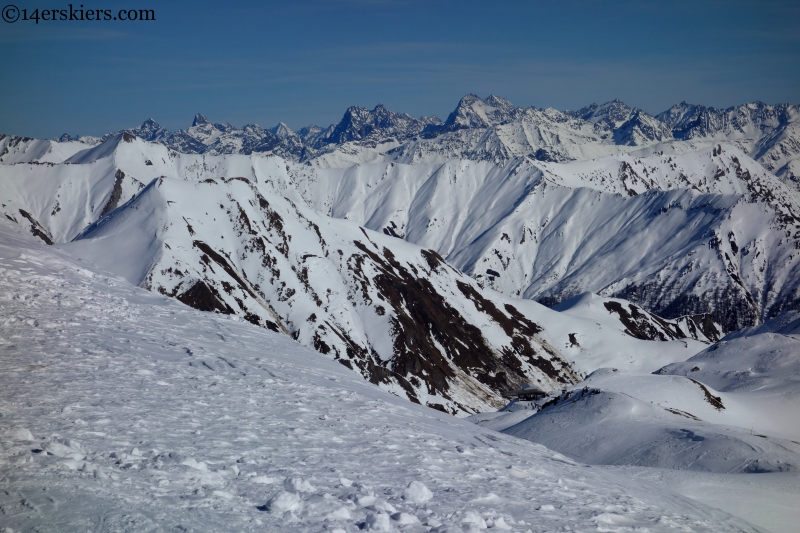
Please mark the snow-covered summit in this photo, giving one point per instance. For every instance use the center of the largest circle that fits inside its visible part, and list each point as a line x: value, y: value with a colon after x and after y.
x: 378, y: 124
x: 474, y: 112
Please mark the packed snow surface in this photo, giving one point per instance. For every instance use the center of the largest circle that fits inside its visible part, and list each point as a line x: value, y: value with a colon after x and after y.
x: 124, y: 410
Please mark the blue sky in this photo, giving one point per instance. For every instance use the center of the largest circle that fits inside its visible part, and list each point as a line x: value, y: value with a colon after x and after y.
x: 305, y: 61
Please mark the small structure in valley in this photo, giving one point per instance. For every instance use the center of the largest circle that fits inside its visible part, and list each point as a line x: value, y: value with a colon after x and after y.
x: 527, y: 393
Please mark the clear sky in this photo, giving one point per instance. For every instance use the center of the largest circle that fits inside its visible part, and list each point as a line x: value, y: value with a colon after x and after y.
x: 306, y: 61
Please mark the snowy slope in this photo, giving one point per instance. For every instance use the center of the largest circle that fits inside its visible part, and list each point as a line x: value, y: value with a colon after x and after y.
x: 762, y: 359
x: 127, y: 411
x: 731, y: 408
x: 710, y: 231
x: 638, y: 322
x: 231, y: 234
x: 662, y: 421
x: 761, y: 364
x: 15, y: 149
x: 606, y: 426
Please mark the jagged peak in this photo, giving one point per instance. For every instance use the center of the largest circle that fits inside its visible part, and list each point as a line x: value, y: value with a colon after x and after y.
x: 468, y: 99
x: 200, y: 120
x: 282, y: 130
x: 65, y: 137
x: 497, y: 101
x: 475, y: 112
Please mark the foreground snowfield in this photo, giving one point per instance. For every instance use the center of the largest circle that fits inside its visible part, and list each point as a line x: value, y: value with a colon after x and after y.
x: 123, y: 410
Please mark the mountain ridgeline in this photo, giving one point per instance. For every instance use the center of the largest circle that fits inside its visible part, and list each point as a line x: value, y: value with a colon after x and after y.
x: 493, y: 129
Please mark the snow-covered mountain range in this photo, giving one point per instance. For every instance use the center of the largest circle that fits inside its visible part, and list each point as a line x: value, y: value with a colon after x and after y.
x: 282, y: 244
x: 219, y: 221
x: 233, y: 234
x: 709, y: 231
x: 513, y: 226
x: 493, y: 129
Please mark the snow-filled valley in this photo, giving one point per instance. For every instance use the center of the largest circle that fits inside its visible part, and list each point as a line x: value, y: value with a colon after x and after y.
x: 231, y: 330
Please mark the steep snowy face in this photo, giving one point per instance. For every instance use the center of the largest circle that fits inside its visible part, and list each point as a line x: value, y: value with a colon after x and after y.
x: 705, y: 232
x: 282, y: 131
x: 397, y: 314
x: 474, y: 112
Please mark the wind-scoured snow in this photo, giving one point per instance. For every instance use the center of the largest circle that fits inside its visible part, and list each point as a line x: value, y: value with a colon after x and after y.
x: 124, y: 410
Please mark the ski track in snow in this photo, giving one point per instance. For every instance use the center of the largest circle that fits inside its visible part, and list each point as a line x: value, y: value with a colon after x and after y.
x: 146, y: 415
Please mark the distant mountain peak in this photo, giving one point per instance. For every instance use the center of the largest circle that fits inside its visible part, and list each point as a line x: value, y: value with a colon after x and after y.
x: 200, y: 120
x: 282, y: 131
x: 475, y: 112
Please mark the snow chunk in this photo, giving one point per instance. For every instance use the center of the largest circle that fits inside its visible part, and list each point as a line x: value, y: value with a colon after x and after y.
x: 472, y: 518
x: 500, y: 523
x: 63, y: 449
x: 377, y: 522
x: 297, y: 484
x: 342, y: 513
x: 405, y: 519
x: 21, y: 434
x: 284, y: 501
x: 417, y: 492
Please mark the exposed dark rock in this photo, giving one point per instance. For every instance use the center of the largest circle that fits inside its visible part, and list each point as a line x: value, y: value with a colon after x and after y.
x: 37, y: 230
x: 204, y: 298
